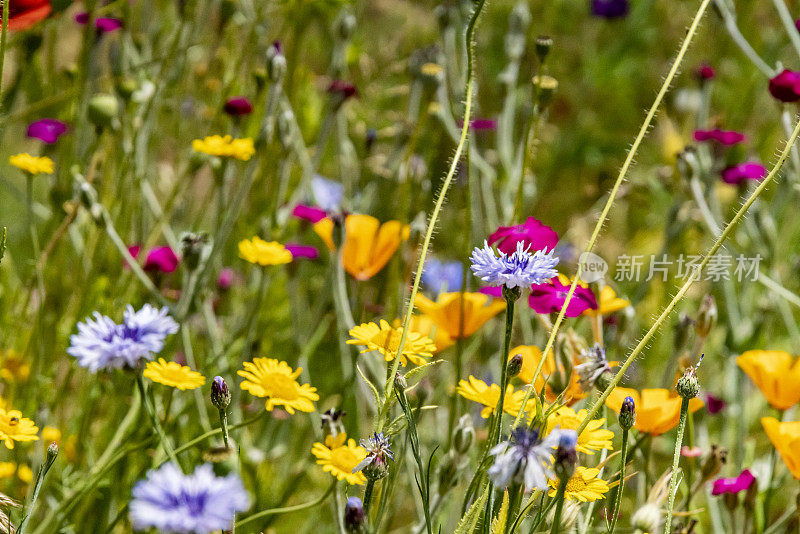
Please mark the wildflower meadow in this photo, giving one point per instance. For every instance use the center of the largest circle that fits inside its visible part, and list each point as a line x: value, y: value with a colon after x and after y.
x: 398, y: 266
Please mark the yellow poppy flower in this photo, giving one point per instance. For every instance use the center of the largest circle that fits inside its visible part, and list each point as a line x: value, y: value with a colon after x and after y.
x: 386, y: 340
x: 531, y: 356
x: 31, y: 164
x: 227, y: 146
x: 274, y: 379
x: 7, y: 469
x: 583, y: 486
x: 25, y: 474
x: 775, y: 373
x: 477, y: 390
x: 368, y: 244
x: 339, y: 456
x: 607, y: 303
x: 446, y: 311
x: 173, y: 374
x: 593, y: 438
x: 657, y: 410
x: 786, y: 439
x: 14, y: 427
x: 262, y: 252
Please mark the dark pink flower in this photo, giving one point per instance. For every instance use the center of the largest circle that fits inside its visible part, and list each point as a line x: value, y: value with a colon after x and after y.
x: 550, y: 296
x: 46, y: 130
x: 238, y: 106
x: 101, y: 24
x: 714, y: 404
x: 302, y: 251
x: 532, y: 233
x: 342, y: 88
x: 704, y: 72
x: 159, y: 259
x: 226, y: 278
x: 492, y: 291
x: 480, y: 124
x: 724, y: 137
x: 734, y: 485
x: 309, y: 213
x: 744, y: 171
x: 785, y: 86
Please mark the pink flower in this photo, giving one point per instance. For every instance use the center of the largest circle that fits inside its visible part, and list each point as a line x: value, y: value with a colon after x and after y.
x: 46, y: 130
x: 101, y: 24
x: 238, y: 106
x: 714, y: 405
x: 159, y: 259
x: 734, y: 485
x: 704, y: 72
x: 550, y: 296
x: 532, y: 233
x: 744, y: 171
x: 302, y: 251
x: 724, y: 137
x: 343, y: 89
x: 694, y: 452
x: 311, y: 214
x: 785, y: 86
x: 226, y: 278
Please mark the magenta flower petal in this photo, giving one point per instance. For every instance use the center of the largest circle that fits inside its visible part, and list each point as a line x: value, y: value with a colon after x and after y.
x: 693, y: 452
x: 161, y: 259
x: 785, y: 86
x: 532, y: 233
x: 744, y: 171
x: 714, y: 404
x: 238, y: 106
x: 226, y: 278
x: 46, y: 130
x: 309, y: 213
x: 549, y: 298
x: 492, y: 291
x: 101, y: 24
x: 724, y: 137
x: 134, y: 250
x: 704, y: 72
x: 342, y: 88
x: 734, y: 485
x: 302, y: 251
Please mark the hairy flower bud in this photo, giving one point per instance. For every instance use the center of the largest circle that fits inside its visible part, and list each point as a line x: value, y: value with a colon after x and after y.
x: 627, y: 413
x: 706, y: 317
x: 103, y: 109
x: 688, y: 386
x: 463, y: 435
x: 220, y: 395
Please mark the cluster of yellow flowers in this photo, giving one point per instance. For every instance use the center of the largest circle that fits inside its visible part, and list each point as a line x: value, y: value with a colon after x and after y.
x: 227, y: 146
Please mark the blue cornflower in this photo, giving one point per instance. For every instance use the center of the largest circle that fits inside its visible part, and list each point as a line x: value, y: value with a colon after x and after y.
x: 327, y: 193
x: 376, y: 464
x: 520, y: 269
x: 525, y: 459
x: 103, y: 344
x: 199, y: 503
x: 443, y: 276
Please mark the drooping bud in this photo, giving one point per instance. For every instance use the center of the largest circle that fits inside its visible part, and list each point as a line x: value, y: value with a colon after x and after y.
x: 706, y: 317
x: 627, y: 414
x: 514, y: 365
x: 566, y: 456
x: 354, y: 516
x: 463, y: 434
x: 220, y: 395
x: 682, y: 331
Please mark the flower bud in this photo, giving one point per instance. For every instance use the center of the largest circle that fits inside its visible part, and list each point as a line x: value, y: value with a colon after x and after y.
x: 126, y: 86
x: 627, y: 414
x: 463, y: 435
x: 706, y: 317
x: 512, y: 294
x: 276, y: 63
x: 682, y: 331
x: 193, y: 248
x: 345, y: 25
x: 688, y: 386
x: 103, y: 109
x: 647, y: 518
x: 448, y: 472
x: 546, y: 86
x: 52, y: 452
x: 220, y: 395
x: 566, y: 456
x: 354, y: 516
x: 514, y: 365
x: 400, y: 382
x: 543, y: 45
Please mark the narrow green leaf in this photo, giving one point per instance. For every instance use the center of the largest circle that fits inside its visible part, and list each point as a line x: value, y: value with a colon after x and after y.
x: 470, y: 520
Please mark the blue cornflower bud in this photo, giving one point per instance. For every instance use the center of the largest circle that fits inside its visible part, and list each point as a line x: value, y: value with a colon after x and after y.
x: 627, y: 413
x: 354, y: 516
x: 220, y: 395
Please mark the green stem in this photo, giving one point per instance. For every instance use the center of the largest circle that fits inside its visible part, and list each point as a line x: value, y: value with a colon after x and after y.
x: 673, y: 481
x: 498, y: 419
x: 51, y: 457
x: 562, y: 488
x: 3, y: 38
x: 287, y: 509
x: 223, y: 425
x: 618, y: 495
x: 151, y: 412
x: 368, y: 494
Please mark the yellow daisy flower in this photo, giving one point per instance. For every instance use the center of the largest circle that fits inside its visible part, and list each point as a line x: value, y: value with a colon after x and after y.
x: 386, y: 340
x: 593, y: 438
x: 25, y: 474
x: 31, y: 164
x: 339, y: 456
x: 173, y: 374
x: 217, y: 145
x: 14, y: 427
x: 267, y: 377
x: 261, y: 252
x: 7, y: 469
x: 477, y: 390
x: 583, y: 486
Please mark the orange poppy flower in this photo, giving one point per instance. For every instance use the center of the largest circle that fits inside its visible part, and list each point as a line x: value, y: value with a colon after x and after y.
x: 425, y: 326
x: 531, y: 356
x: 657, y: 410
x: 446, y: 311
x: 368, y: 244
x: 786, y: 439
x: 776, y: 375
x: 25, y: 13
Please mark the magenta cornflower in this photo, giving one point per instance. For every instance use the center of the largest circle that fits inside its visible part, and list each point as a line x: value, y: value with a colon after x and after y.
x: 734, y: 485
x: 159, y: 259
x: 785, y: 86
x: 101, y: 24
x: 714, y: 404
x: 737, y: 174
x: 46, y: 130
x: 550, y: 296
x: 226, y: 278
x: 723, y: 137
x: 532, y: 233
x: 238, y: 106
x: 302, y: 251
x: 311, y: 214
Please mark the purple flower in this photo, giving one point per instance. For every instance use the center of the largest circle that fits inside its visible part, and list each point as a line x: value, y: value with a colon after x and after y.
x: 238, y: 106
x: 200, y: 503
x: 734, y: 485
x: 225, y: 278
x: 724, y: 137
x: 480, y: 124
x: 549, y: 298
x: 714, y: 404
x: 343, y: 89
x: 704, y: 72
x: 785, y: 86
x: 311, y: 214
x: 520, y: 269
x: 610, y: 9
x: 302, y: 251
x: 159, y: 259
x: 442, y: 276
x: 47, y: 130
x: 532, y: 233
x: 101, y: 24
x: 744, y: 171
x: 103, y: 344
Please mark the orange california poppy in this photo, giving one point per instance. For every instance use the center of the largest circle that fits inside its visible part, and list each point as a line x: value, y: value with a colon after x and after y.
x: 446, y: 311
x: 26, y: 13
x: 657, y: 410
x: 775, y: 373
x: 368, y: 244
x: 786, y: 439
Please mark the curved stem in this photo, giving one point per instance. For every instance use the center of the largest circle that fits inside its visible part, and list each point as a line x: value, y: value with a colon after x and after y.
x: 673, y: 481
x: 618, y: 494
x: 615, y: 189
x: 151, y: 412
x: 287, y: 509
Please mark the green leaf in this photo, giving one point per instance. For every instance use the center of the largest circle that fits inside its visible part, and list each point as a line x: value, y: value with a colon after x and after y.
x: 499, y: 523
x: 470, y: 520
